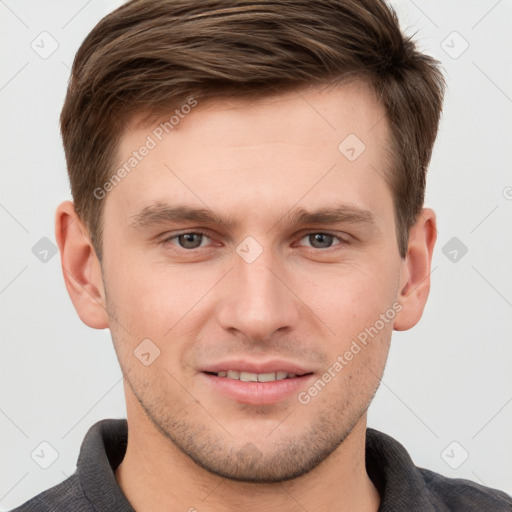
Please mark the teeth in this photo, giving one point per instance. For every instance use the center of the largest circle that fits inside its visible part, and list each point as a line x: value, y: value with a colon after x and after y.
x: 256, y: 377
x: 249, y: 377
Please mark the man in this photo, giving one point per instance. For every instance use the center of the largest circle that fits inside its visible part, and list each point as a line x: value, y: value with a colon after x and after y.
x: 248, y: 184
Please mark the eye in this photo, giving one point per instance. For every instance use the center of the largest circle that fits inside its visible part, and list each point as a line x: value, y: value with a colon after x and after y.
x: 191, y: 240
x: 322, y: 240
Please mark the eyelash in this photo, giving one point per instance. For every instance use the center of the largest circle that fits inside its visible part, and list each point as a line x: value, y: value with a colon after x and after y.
x: 342, y: 242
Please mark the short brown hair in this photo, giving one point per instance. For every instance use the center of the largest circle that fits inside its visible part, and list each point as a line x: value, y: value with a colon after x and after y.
x: 149, y: 56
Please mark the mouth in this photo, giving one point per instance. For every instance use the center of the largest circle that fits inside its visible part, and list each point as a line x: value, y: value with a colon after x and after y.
x: 257, y: 384
x: 255, y: 377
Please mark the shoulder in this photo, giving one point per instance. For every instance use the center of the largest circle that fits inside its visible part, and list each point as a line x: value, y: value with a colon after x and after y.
x: 404, y: 486
x: 63, y: 497
x: 460, y: 494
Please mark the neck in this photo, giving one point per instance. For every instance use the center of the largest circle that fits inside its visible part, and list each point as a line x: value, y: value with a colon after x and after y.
x: 156, y: 476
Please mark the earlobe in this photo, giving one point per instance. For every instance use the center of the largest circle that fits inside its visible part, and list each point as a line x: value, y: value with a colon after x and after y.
x: 80, y: 267
x: 415, y: 272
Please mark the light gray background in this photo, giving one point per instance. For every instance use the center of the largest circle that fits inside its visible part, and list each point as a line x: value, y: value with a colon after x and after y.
x: 448, y: 379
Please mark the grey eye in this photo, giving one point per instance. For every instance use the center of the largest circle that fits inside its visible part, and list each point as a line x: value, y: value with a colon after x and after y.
x: 320, y: 240
x: 190, y: 240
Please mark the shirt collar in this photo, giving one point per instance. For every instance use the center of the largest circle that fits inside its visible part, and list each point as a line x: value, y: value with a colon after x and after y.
x: 400, y: 483
x: 101, y: 453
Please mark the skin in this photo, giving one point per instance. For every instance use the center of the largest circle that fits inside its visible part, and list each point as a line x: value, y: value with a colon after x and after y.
x: 190, y: 446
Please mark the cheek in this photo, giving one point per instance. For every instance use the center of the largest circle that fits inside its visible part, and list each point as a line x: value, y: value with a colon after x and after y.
x: 137, y: 288
x: 359, y: 361
x: 350, y: 298
x: 165, y: 304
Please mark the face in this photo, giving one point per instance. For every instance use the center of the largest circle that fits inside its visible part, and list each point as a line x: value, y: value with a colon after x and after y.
x: 252, y: 272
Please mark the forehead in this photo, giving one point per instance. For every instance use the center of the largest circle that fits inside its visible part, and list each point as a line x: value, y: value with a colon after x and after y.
x: 312, y: 146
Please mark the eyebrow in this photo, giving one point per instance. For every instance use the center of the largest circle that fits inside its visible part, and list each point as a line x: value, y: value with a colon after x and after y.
x: 160, y: 213
x: 333, y: 215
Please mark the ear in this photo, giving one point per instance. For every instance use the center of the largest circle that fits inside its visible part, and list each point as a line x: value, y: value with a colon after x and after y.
x: 415, y: 270
x: 81, y: 267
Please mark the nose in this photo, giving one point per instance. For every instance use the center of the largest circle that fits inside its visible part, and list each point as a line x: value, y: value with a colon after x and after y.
x: 258, y: 301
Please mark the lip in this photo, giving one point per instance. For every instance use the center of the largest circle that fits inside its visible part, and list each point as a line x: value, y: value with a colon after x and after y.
x: 257, y: 393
